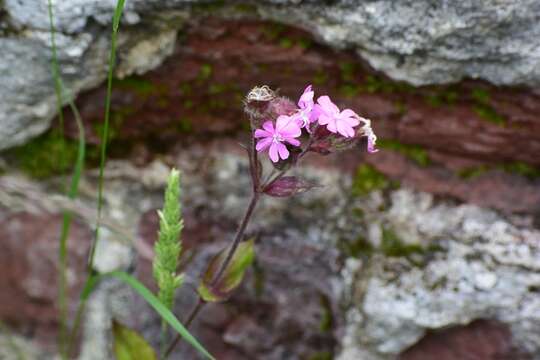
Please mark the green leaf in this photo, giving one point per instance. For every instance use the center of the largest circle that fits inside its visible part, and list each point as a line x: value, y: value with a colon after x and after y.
x: 232, y: 276
x: 129, y: 345
x: 151, y: 299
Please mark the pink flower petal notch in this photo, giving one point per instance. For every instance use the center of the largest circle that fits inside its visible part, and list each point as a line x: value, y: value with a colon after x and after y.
x: 273, y: 138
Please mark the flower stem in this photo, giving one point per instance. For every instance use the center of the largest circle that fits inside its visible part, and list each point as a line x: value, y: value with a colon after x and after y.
x: 258, y: 189
x: 238, y: 237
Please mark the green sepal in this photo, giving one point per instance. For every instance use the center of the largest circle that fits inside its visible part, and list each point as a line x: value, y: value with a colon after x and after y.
x: 232, y: 276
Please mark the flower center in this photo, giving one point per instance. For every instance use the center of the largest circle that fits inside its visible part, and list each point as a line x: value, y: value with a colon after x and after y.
x: 277, y: 138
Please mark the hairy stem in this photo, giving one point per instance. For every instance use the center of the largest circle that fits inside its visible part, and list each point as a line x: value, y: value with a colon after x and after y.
x: 236, y: 241
x: 238, y: 237
x: 257, y: 191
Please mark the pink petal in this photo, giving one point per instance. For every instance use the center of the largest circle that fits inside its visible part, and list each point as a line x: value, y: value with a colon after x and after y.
x: 306, y: 100
x: 273, y: 152
x: 371, y: 147
x: 282, y: 121
x: 324, y: 119
x: 331, y: 126
x: 283, y: 152
x: 350, y: 117
x: 327, y: 105
x: 344, y: 129
x: 269, y: 126
x: 298, y: 119
x: 287, y: 126
x: 259, y: 133
x: 263, y: 144
x: 314, y: 114
x: 293, y: 142
x: 292, y: 130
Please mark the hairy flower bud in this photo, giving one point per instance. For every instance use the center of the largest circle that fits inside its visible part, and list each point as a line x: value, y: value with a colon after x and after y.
x: 257, y: 103
x: 281, y: 106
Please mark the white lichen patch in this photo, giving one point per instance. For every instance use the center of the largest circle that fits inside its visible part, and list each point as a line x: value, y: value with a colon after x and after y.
x: 484, y: 268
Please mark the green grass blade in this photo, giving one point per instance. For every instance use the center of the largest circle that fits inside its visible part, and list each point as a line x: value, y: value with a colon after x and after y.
x: 158, y: 306
x: 66, y: 225
x: 103, y: 155
x: 73, y: 190
x: 105, y: 134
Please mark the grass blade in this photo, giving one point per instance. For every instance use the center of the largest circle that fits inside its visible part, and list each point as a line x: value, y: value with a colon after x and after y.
x: 105, y: 134
x: 151, y: 299
x: 103, y: 155
x: 73, y: 189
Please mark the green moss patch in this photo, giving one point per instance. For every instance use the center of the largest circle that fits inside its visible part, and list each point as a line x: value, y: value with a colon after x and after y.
x: 393, y: 246
x: 368, y: 179
x: 47, y: 155
x: 413, y: 152
x: 356, y: 248
x: 483, y: 108
x: 517, y: 167
x: 140, y: 86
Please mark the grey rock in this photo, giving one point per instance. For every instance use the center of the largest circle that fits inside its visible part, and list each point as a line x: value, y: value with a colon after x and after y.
x: 476, y: 264
x: 422, y: 42
x: 484, y: 267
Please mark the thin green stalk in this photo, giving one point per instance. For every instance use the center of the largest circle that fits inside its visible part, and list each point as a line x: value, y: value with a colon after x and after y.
x: 105, y: 134
x: 104, y: 138
x: 73, y: 190
x: 163, y: 340
x: 66, y: 225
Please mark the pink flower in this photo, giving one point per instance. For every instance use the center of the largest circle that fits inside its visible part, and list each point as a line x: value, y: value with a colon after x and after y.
x: 286, y: 131
x: 306, y: 113
x: 336, y: 121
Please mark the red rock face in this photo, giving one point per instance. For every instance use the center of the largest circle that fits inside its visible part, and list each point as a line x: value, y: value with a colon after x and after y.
x: 480, y: 340
x: 198, y: 92
x: 28, y: 264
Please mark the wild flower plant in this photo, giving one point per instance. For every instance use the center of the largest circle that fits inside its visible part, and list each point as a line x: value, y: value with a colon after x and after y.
x: 287, y: 131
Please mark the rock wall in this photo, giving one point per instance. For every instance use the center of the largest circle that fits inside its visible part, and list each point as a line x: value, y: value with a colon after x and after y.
x: 420, y: 42
x: 428, y: 247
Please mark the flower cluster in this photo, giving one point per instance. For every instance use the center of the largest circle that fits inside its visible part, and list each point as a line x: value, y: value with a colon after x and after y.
x: 329, y: 128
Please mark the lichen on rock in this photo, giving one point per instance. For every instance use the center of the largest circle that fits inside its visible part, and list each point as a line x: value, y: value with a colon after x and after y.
x: 485, y: 268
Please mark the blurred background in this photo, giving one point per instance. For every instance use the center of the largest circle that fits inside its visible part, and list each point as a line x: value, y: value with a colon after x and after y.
x: 428, y: 249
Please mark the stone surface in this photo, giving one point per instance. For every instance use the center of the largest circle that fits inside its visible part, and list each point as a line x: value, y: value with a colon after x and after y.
x: 433, y: 139
x: 471, y: 265
x: 404, y: 263
x: 480, y: 340
x: 420, y: 42
x: 420, y: 275
x: 28, y: 262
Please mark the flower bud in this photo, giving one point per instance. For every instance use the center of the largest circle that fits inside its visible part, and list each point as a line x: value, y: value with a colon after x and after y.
x: 256, y: 104
x: 281, y: 106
